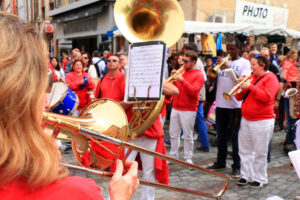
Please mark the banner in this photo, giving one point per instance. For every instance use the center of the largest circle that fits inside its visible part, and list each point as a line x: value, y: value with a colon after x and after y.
x: 260, y: 14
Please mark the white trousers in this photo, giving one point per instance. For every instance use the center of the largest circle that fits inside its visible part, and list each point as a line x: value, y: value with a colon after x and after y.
x: 184, y: 120
x: 148, y: 192
x: 254, y: 138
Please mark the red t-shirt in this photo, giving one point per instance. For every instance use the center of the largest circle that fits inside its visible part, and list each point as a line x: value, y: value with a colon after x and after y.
x: 259, y: 104
x: 72, y: 187
x: 74, y: 82
x: 189, y: 89
x: 111, y: 87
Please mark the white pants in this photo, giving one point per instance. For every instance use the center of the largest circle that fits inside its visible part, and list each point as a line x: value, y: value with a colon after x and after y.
x: 148, y: 164
x: 184, y: 120
x: 254, y: 138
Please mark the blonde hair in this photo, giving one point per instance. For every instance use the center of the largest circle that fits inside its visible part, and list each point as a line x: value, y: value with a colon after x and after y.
x: 25, y: 150
x: 292, y: 55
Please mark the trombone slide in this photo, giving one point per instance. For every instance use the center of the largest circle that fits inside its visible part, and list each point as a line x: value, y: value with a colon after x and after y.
x: 144, y: 182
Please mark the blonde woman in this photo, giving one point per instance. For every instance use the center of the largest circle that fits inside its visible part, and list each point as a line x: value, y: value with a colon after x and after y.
x: 29, y: 159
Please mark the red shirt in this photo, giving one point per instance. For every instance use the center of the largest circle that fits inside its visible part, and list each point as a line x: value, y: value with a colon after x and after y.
x: 74, y: 81
x: 290, y: 71
x: 259, y: 104
x: 111, y: 87
x: 68, y: 188
x: 189, y: 89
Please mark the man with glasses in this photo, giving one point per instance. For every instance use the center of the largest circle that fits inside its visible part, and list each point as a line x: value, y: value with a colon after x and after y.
x: 189, y: 82
x: 113, y: 84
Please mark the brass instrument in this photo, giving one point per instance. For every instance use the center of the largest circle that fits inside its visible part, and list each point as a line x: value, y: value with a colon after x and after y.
x: 213, y: 73
x: 176, y: 73
x: 294, y: 102
x: 148, y: 20
x: 105, y: 121
x: 235, y: 90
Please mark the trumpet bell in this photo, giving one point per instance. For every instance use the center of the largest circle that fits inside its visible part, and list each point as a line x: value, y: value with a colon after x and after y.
x: 227, y: 96
x: 149, y: 20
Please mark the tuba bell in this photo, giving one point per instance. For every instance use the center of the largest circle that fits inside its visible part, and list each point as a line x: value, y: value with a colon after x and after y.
x: 148, y: 20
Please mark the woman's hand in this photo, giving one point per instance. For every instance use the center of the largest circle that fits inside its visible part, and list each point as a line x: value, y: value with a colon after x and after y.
x: 246, y: 84
x: 121, y: 186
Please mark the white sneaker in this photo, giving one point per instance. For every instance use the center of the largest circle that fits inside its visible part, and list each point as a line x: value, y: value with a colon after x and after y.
x: 195, y: 136
x: 189, y: 161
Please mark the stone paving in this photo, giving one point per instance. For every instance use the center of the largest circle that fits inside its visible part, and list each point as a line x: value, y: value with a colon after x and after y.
x: 283, y: 180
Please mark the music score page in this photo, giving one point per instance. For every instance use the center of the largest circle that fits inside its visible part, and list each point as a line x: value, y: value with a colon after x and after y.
x: 144, y: 79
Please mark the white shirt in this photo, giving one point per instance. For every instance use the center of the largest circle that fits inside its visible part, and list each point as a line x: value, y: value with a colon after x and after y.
x: 242, y: 68
x: 100, y: 64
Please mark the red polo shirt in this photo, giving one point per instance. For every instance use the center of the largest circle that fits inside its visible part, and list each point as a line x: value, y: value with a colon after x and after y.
x: 111, y: 87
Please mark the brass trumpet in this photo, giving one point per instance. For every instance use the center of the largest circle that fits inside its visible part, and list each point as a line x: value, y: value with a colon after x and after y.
x: 235, y: 90
x: 176, y: 73
x: 102, y: 120
x: 213, y: 73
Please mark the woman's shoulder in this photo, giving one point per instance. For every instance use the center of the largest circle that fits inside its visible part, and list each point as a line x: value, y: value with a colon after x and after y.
x: 72, y: 187
x: 75, y: 188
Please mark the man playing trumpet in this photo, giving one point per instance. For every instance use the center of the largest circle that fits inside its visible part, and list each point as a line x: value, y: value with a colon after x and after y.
x: 257, y: 123
x: 228, y: 113
x: 185, y: 106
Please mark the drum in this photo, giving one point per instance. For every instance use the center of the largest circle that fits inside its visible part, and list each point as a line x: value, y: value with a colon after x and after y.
x: 61, y: 99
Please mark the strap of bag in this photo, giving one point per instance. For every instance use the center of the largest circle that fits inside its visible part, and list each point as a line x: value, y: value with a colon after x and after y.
x: 247, y: 93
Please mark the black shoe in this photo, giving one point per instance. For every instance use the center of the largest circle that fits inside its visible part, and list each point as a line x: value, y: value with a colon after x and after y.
x: 216, y: 167
x: 236, y: 173
x: 242, y: 182
x: 202, y: 149
x: 256, y: 184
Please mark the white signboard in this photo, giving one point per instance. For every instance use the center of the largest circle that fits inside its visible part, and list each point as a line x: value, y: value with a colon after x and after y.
x: 259, y: 14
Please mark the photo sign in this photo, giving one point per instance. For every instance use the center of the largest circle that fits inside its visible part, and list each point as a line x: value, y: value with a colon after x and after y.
x: 260, y: 14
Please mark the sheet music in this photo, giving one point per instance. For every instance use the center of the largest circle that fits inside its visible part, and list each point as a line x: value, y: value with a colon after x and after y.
x: 145, y: 72
x: 295, y: 158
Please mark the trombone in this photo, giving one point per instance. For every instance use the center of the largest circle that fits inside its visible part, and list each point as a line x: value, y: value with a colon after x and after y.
x: 213, y: 73
x: 235, y: 90
x: 88, y: 128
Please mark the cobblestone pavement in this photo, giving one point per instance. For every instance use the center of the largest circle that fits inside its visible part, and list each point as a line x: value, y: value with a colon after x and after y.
x: 283, y: 180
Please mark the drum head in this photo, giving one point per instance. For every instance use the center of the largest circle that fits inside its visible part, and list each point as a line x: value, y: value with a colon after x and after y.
x: 57, y: 93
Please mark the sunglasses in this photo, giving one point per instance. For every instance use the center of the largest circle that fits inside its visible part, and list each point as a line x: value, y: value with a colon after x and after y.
x: 85, y: 57
x: 186, y: 61
x: 112, y: 60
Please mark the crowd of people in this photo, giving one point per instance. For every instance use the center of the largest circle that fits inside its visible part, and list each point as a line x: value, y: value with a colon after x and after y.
x: 248, y: 117
x: 261, y: 104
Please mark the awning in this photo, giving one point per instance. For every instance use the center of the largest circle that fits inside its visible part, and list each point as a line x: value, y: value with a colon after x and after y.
x: 209, y: 27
